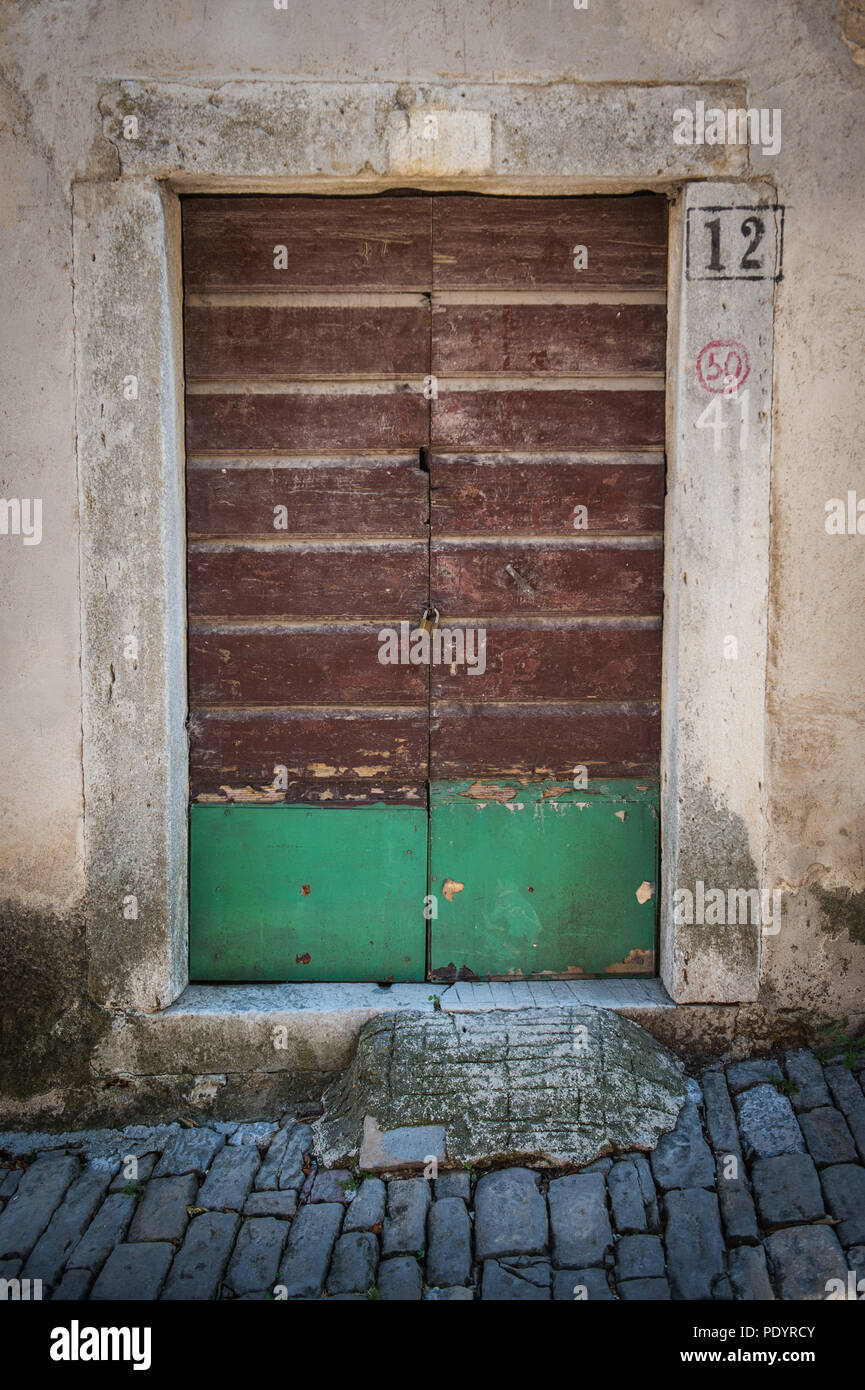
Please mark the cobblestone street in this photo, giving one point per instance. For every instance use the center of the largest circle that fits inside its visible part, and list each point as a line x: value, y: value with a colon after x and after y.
x: 758, y: 1194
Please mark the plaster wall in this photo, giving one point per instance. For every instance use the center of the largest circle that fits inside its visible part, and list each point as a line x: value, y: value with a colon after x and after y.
x: 70, y: 70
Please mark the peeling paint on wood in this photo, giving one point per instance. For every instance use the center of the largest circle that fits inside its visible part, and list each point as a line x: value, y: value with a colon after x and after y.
x: 547, y: 894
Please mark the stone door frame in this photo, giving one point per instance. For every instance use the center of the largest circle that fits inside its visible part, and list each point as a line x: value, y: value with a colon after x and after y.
x: 364, y: 138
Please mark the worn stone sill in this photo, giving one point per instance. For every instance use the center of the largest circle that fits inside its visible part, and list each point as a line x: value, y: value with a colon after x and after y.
x: 239, y: 1000
x: 310, y: 1030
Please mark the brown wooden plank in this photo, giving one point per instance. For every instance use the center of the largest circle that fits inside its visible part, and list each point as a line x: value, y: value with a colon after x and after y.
x: 325, y: 665
x: 241, y: 422
x: 530, y: 663
x: 315, y: 340
x: 565, y: 339
x: 529, y: 242
x: 520, y: 577
x: 361, y: 497
x: 502, y: 741
x: 332, y: 794
x: 514, y: 494
x: 331, y: 243
x: 378, y: 750
x: 339, y: 580
x: 477, y: 421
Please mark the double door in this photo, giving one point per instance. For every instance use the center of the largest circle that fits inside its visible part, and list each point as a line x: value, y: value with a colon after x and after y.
x: 425, y: 484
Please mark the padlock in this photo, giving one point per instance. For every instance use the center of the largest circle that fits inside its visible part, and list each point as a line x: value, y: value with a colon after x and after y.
x: 427, y: 623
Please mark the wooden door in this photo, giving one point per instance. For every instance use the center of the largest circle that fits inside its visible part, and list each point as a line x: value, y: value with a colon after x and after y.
x: 307, y: 343
x: 547, y: 518
x: 394, y: 405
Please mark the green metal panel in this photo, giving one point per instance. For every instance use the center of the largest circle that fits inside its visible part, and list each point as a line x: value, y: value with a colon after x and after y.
x: 543, y: 880
x: 307, y: 893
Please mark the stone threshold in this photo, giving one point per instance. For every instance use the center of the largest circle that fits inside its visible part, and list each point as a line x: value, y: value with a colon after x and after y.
x: 463, y: 997
x: 310, y: 1030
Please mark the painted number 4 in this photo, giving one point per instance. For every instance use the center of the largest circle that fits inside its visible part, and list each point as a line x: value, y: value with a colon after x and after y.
x: 712, y: 418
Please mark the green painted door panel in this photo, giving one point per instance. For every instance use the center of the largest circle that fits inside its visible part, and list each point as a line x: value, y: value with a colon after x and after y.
x: 300, y: 893
x: 539, y: 880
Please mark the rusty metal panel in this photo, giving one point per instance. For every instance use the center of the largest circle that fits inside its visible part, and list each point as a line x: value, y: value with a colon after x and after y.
x: 532, y: 881
x: 303, y: 893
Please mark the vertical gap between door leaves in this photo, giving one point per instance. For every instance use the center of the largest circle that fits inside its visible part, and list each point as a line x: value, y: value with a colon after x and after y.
x: 426, y: 459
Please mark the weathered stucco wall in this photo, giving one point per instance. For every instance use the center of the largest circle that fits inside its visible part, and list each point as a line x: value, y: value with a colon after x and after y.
x: 63, y: 67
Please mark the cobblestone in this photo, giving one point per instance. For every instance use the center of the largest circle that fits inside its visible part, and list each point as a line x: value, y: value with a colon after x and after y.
x: 291, y: 1172
x: 307, y: 1254
x: 720, y: 1116
x: 368, y: 1207
x: 580, y: 1225
x: 191, y: 1151
x: 804, y: 1258
x: 767, y: 1124
x: 695, y: 1249
x: 626, y: 1198
x: 581, y: 1285
x: 201, y: 1261
x: 741, y: 1075
x: 404, y: 1230
x: 331, y: 1185
x: 683, y: 1158
x: 510, y: 1214
x: 26, y: 1215
x: 787, y: 1190
x: 107, y: 1230
x: 844, y: 1185
x: 736, y: 1203
x: 230, y: 1179
x: 811, y: 1089
x: 788, y: 1218
x: 828, y: 1137
x: 133, y: 1272
x: 280, y: 1204
x: 144, y: 1165
x: 400, y: 1280
x: 69, y: 1222
x: 256, y: 1256
x: 355, y: 1258
x: 644, y: 1290
x: 454, y: 1185
x: 449, y: 1243
x: 639, y: 1257
x: 523, y: 1279
x: 749, y: 1277
x: 162, y: 1213
x: 73, y: 1287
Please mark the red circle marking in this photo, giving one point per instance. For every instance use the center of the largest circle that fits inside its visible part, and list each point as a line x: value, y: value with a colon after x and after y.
x: 720, y: 360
